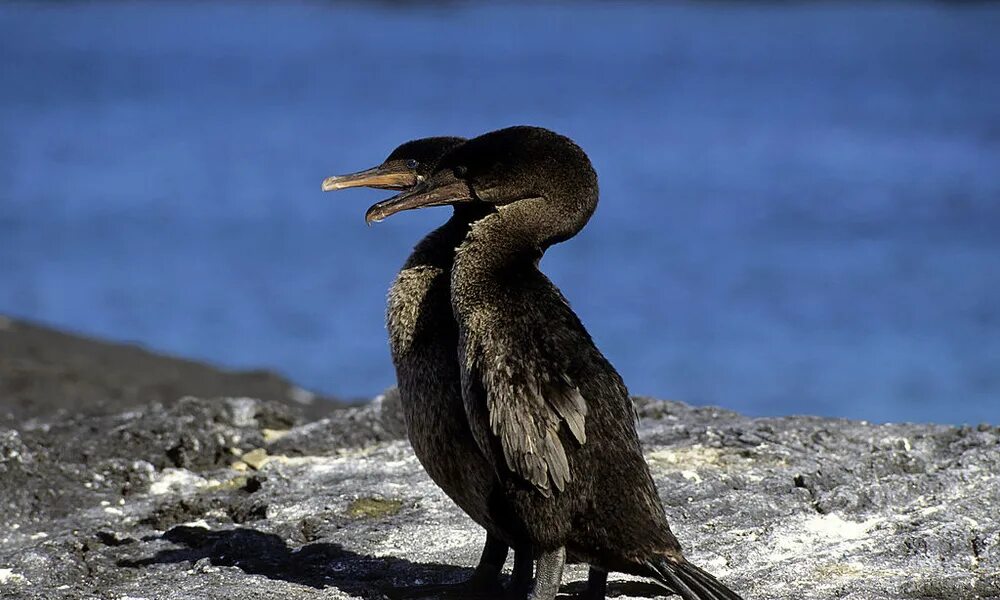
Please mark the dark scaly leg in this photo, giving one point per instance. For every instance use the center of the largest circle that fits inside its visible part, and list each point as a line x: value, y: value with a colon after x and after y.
x: 548, y: 574
x: 487, y: 573
x: 520, y: 577
x: 597, y: 585
x: 484, y: 583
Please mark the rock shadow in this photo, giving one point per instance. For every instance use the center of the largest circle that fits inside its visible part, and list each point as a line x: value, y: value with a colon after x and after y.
x: 317, y: 565
x: 321, y: 565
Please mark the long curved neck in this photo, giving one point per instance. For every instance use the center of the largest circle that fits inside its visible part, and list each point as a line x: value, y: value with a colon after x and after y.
x: 497, y: 244
x: 516, y: 236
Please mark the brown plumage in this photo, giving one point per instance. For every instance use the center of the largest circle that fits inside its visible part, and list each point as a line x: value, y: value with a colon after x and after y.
x: 423, y: 339
x: 545, y: 408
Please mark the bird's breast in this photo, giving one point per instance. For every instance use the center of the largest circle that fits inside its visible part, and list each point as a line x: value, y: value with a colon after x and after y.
x: 418, y: 306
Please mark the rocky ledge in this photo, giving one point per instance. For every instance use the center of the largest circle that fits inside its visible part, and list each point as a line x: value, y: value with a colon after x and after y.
x: 240, y: 498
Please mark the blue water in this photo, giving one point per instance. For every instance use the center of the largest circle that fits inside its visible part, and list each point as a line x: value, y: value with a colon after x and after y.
x: 800, y: 202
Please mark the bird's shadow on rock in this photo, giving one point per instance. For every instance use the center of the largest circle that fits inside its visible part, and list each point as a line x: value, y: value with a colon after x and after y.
x: 321, y: 565
x: 317, y: 565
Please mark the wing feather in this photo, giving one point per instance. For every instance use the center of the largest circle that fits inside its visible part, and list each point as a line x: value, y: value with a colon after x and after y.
x: 530, y: 401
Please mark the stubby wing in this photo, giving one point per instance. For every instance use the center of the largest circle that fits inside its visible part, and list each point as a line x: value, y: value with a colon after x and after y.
x: 533, y: 407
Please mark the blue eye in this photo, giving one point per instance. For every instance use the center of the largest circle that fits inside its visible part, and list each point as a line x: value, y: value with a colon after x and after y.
x: 412, y: 164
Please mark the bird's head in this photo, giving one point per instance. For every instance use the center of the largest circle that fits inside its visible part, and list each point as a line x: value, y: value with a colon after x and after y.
x: 406, y: 166
x: 542, y: 173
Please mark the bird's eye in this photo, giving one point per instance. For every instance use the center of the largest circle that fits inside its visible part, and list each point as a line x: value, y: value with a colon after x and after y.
x: 412, y: 164
x: 460, y: 171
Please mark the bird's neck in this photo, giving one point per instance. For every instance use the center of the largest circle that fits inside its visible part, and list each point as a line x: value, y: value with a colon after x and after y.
x: 504, y: 248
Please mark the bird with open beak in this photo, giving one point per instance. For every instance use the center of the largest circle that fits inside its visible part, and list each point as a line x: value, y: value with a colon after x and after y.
x: 423, y: 339
x: 546, y: 409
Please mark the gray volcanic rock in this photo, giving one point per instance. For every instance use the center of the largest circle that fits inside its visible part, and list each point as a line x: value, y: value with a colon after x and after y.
x: 233, y: 498
x: 378, y: 421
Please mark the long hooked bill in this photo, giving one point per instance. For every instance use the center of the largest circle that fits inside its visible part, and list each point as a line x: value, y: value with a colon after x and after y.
x: 428, y: 193
x: 383, y: 177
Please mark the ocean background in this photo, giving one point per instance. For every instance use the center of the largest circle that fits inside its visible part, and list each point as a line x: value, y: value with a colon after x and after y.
x: 800, y: 207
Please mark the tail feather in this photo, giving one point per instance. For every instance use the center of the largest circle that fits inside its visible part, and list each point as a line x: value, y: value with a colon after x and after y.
x: 668, y: 579
x: 709, y: 580
x: 700, y: 589
x: 689, y: 581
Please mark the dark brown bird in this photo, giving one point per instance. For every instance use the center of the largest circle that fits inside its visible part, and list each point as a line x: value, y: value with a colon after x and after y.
x: 545, y: 407
x: 424, y: 343
x: 423, y: 338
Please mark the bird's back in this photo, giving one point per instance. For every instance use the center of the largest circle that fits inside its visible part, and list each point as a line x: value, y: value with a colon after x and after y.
x: 521, y: 334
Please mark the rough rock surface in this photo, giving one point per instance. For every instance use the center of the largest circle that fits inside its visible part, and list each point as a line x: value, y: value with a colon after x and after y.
x: 234, y: 498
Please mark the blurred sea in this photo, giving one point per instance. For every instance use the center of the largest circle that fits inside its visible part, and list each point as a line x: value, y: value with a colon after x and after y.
x: 800, y: 202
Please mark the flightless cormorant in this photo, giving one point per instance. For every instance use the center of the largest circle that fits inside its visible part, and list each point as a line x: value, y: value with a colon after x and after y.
x: 545, y: 407
x: 423, y: 339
